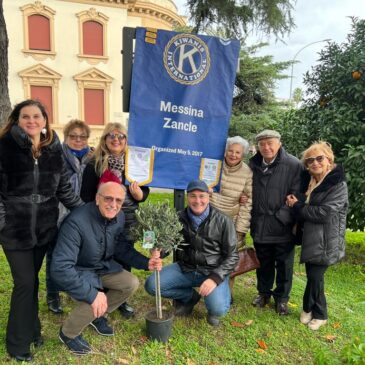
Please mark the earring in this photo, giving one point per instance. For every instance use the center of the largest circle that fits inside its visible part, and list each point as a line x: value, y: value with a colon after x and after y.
x: 44, y: 131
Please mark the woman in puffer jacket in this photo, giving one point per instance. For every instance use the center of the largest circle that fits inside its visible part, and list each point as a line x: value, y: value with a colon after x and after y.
x: 236, y: 182
x: 322, y: 214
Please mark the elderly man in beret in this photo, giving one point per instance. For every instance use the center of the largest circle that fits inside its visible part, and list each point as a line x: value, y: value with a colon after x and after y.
x: 276, y: 174
x: 205, y: 261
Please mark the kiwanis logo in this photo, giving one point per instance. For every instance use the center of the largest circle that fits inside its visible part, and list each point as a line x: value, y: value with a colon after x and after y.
x: 186, y: 59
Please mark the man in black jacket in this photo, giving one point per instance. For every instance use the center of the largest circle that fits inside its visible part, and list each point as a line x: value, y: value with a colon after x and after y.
x: 276, y: 174
x: 83, y: 265
x: 205, y: 261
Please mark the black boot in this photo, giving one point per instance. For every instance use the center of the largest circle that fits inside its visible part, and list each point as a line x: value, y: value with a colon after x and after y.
x: 126, y: 310
x: 185, y: 309
x: 54, y: 303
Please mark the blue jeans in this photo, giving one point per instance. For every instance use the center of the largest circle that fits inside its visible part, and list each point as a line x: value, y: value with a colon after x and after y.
x: 179, y: 285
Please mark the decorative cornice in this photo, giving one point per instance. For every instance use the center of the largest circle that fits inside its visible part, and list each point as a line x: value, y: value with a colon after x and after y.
x: 142, y: 8
x: 155, y: 11
x: 37, y: 7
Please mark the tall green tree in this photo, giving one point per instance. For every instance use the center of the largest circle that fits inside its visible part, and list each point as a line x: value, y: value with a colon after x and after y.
x: 238, y: 18
x: 334, y: 111
x: 254, y: 103
x: 5, y: 107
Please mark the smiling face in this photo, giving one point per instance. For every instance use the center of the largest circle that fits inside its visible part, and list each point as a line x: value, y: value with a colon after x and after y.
x: 269, y: 148
x: 31, y: 121
x: 198, y: 201
x: 234, y: 154
x: 116, y: 142
x: 109, y: 199
x: 317, y: 163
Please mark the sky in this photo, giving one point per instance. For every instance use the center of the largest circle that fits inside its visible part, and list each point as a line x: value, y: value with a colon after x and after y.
x: 315, y: 20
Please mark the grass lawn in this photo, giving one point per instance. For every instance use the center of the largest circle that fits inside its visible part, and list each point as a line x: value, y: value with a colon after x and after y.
x: 246, y: 336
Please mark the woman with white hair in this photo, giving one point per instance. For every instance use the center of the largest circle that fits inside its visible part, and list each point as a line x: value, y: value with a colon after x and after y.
x: 236, y: 181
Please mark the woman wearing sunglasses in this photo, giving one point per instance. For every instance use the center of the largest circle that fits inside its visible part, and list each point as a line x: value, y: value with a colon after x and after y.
x: 322, y: 213
x: 76, y: 153
x: 110, y: 155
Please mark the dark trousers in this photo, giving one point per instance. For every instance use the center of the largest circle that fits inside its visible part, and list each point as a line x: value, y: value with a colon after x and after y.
x: 314, y: 299
x: 23, y: 322
x: 274, y: 259
x: 51, y: 286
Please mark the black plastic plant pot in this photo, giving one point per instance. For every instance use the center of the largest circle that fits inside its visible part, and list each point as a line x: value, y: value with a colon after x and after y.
x: 159, y: 329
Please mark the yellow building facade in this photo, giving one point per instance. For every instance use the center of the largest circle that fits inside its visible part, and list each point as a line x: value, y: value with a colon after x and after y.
x: 66, y: 72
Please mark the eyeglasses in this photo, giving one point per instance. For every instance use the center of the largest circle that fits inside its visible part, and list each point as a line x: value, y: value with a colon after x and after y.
x: 116, y: 135
x: 109, y: 199
x: 76, y: 137
x: 310, y: 160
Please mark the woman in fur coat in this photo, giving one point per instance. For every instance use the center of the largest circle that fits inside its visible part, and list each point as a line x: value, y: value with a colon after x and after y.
x: 33, y: 180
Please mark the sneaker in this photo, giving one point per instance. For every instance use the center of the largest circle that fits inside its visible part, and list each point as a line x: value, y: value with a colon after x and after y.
x: 101, y: 326
x: 282, y: 308
x: 54, y: 303
x: 77, y: 345
x: 314, y: 324
x: 213, y: 320
x: 261, y: 300
x: 185, y: 309
x: 126, y: 310
x: 305, y: 317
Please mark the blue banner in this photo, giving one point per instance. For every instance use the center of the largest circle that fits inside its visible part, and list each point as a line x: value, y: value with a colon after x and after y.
x: 181, y: 100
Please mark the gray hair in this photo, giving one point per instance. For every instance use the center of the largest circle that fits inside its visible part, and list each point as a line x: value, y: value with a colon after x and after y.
x: 238, y: 140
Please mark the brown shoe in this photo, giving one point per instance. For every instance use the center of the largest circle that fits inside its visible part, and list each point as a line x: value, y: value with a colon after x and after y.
x: 261, y: 300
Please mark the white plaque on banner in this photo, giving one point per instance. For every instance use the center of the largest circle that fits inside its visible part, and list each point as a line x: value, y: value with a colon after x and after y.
x: 139, y: 165
x: 210, y: 171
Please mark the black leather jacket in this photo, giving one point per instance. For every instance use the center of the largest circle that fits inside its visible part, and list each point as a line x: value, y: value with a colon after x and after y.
x: 211, y: 250
x: 30, y: 191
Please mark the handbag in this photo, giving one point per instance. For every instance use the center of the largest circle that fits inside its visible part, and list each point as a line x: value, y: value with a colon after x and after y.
x: 247, y: 261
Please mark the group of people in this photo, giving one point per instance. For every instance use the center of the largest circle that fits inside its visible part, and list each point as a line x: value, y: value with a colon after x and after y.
x: 90, y: 251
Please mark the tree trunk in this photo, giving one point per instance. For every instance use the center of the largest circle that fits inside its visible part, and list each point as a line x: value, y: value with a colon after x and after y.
x: 5, y: 106
x: 158, y: 295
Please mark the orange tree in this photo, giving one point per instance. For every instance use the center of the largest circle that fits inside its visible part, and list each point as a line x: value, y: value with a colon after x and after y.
x: 334, y: 110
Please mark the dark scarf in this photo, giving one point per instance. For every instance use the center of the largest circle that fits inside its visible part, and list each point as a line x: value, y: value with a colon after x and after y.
x: 79, y: 153
x: 197, y: 220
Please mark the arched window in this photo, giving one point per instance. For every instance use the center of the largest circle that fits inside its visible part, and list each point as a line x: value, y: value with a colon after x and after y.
x: 92, y: 38
x: 38, y: 23
x: 39, y: 33
x: 92, y: 29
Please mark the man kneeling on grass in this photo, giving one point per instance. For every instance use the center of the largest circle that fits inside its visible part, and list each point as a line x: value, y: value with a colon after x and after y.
x: 83, y: 265
x: 205, y: 261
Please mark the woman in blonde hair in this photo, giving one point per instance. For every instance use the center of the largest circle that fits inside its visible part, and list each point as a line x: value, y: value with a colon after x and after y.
x: 110, y: 155
x: 322, y: 213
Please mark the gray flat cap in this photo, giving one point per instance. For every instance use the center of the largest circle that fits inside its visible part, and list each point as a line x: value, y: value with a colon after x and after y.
x: 268, y: 133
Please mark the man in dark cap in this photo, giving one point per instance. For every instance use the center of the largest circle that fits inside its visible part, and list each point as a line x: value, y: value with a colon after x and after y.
x: 276, y: 174
x: 205, y: 260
